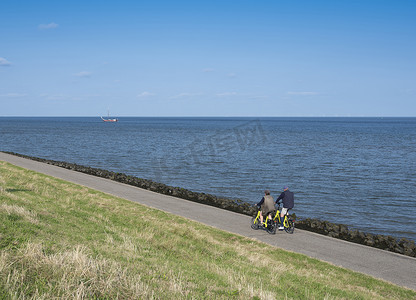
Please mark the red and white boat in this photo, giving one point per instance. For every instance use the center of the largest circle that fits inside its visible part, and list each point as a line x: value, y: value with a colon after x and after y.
x: 109, y: 119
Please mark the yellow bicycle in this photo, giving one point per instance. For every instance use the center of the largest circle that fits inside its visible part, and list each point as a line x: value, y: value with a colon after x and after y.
x: 268, y: 224
x: 288, y: 222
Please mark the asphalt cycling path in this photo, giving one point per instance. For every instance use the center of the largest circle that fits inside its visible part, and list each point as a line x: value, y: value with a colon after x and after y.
x: 392, y: 267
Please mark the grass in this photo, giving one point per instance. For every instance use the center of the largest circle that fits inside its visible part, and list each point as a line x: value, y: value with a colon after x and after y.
x: 65, y: 241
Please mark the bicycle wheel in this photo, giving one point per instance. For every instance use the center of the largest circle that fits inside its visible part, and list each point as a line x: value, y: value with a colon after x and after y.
x: 255, y: 223
x: 271, y: 227
x: 290, y: 228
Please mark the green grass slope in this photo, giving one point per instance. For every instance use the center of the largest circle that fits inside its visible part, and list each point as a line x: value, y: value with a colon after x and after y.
x: 61, y: 240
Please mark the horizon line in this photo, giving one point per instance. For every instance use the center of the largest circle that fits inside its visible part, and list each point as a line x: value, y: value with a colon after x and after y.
x: 132, y: 116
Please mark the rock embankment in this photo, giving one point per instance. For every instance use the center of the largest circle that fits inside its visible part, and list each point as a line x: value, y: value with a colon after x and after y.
x: 340, y: 231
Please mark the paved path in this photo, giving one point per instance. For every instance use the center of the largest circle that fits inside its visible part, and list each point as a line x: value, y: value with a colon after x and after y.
x: 389, y: 266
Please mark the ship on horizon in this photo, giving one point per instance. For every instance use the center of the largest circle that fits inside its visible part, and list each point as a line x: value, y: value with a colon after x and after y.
x: 109, y: 119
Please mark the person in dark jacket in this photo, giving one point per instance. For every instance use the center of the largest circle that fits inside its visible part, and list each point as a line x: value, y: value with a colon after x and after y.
x: 288, y: 200
x: 266, y: 204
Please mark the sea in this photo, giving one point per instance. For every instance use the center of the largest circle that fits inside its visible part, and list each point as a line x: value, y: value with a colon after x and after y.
x: 356, y: 171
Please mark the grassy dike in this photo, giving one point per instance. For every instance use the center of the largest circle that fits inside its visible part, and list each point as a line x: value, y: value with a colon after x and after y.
x: 61, y: 240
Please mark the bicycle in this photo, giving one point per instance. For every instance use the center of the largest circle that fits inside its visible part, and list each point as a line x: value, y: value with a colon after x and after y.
x: 269, y: 224
x: 288, y: 222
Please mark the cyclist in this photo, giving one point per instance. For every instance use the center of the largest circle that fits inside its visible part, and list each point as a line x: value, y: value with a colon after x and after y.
x: 288, y: 200
x: 267, y: 206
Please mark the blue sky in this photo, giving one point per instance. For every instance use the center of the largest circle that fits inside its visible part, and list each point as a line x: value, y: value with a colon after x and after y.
x: 208, y: 58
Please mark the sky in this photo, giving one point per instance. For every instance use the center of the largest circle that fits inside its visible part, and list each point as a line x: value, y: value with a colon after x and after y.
x: 208, y: 58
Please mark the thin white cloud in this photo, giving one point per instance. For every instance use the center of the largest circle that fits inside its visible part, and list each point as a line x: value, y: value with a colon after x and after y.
x: 208, y: 70
x: 13, y: 95
x: 66, y: 97
x: 407, y: 91
x: 55, y: 97
x: 84, y: 74
x: 259, y: 97
x: 52, y: 25
x: 232, y: 75
x: 185, y: 95
x: 226, y: 94
x: 145, y: 94
x: 302, y: 93
x: 4, y: 62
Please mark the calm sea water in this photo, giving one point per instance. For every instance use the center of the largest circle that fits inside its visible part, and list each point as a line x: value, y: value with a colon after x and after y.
x: 355, y: 171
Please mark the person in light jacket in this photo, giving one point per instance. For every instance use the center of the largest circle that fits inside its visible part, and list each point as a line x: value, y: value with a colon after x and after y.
x: 267, y: 205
